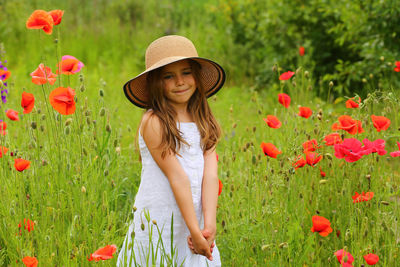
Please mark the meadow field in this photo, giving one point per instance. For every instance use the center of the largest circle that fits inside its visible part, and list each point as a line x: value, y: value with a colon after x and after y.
x: 308, y: 177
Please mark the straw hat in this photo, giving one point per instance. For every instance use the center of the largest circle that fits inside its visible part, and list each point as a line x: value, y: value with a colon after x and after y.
x: 166, y: 50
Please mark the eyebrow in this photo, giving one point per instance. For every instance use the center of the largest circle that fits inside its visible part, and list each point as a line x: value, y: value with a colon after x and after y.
x: 188, y: 68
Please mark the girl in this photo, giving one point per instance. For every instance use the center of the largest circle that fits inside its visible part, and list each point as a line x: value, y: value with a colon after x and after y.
x: 175, y: 207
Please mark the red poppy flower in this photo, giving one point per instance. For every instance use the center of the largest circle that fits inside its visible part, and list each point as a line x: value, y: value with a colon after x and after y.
x: 397, y: 69
x: 371, y: 259
x: 305, y: 112
x: 332, y: 139
x: 377, y: 146
x: 284, y: 99
x: 5, y: 73
x: 313, y: 158
x: 3, y: 151
x: 286, y: 75
x: 28, y: 225
x: 62, y: 100
x: 352, y: 104
x: 348, y: 124
x: 321, y: 225
x: 40, y: 19
x: 344, y: 256
x: 27, y: 102
x: 310, y: 145
x: 381, y: 123
x: 220, y: 185
x: 396, y: 153
x: 323, y: 174
x: 273, y: 121
x: 12, y: 115
x: 301, y: 51
x: 21, y: 164
x: 3, y: 127
x: 30, y: 261
x: 351, y: 150
x: 104, y: 253
x: 299, y: 163
x: 43, y: 75
x: 69, y: 65
x: 270, y: 150
x: 362, y: 197
x: 56, y: 15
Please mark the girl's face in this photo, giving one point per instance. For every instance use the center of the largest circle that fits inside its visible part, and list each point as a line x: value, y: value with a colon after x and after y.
x: 178, y: 82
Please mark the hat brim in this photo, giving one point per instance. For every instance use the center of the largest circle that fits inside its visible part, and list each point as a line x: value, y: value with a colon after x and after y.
x: 212, y: 76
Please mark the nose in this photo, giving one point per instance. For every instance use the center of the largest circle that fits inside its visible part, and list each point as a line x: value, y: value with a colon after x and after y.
x: 179, y: 80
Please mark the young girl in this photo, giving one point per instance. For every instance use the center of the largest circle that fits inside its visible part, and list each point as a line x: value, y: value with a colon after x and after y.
x: 175, y: 207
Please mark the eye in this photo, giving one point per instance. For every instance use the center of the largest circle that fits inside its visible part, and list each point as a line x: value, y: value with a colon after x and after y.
x: 187, y: 72
x: 167, y: 77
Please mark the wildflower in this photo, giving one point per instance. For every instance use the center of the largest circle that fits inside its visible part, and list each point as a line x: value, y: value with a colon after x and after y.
x: 28, y: 225
x: 323, y: 174
x: 381, y: 123
x: 352, y: 104
x: 397, y: 69
x: 30, y: 261
x: 3, y: 127
x: 321, y: 225
x: 396, y: 153
x: 69, y: 65
x: 332, y: 139
x: 104, y: 253
x: 4, y: 74
x: 40, y: 19
x: 305, y: 112
x: 12, y: 115
x: 43, y: 75
x: 310, y: 145
x: 273, y: 121
x: 56, y: 16
x: 284, y: 99
x: 348, y: 124
x: 344, y: 257
x: 301, y: 51
x: 377, y: 146
x: 62, y: 100
x: 362, y: 197
x: 313, y: 158
x: 21, y: 164
x: 270, y: 150
x: 3, y: 151
x: 350, y: 150
x: 299, y: 163
x: 27, y: 102
x: 371, y: 258
x: 286, y: 75
x: 219, y: 187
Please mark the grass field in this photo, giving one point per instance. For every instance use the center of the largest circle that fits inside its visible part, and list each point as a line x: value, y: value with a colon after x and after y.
x: 85, y: 170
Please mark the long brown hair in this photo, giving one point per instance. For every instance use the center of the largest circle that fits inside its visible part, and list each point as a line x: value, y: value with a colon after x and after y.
x: 197, y: 107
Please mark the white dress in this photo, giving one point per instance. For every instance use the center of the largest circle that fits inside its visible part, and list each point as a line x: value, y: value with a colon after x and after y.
x: 155, y: 198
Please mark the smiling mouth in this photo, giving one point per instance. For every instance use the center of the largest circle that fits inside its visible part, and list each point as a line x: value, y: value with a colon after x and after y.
x: 181, y: 91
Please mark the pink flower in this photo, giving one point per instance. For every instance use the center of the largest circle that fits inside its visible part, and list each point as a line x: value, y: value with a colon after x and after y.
x: 344, y: 256
x: 351, y: 150
x: 80, y: 64
x: 286, y: 75
x: 396, y: 153
x: 377, y: 146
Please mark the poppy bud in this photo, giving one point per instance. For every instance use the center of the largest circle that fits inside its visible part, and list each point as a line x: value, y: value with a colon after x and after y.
x: 39, y: 110
x: 319, y: 117
x: 330, y: 84
x: 118, y: 150
x: 134, y: 209
x: 105, y: 172
x: 87, y: 113
x: 384, y: 203
x: 254, y: 129
x: 234, y: 125
x: 265, y: 247
x: 306, y: 74
x: 108, y: 128
x: 81, y: 77
x: 298, y: 71
x: 154, y: 222
x: 84, y: 151
x: 28, y: 197
x: 101, y: 92
x: 43, y: 117
x: 274, y: 68
x: 294, y: 83
x: 142, y: 226
x: 67, y: 130
x: 102, y: 112
x: 368, y: 176
x: 33, y: 125
x: 309, y: 88
x: 283, y: 245
x: 88, y: 121
x: 41, y: 128
x: 254, y: 160
x: 82, y: 88
x: 83, y: 189
x: 56, y: 41
x: 94, y: 122
x: 68, y: 121
x: 323, y: 181
x: 132, y: 236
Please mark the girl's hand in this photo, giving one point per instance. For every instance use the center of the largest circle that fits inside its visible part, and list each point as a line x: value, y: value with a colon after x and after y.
x: 209, y: 235
x: 199, y: 245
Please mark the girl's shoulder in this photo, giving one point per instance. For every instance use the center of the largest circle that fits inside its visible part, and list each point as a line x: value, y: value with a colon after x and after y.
x: 149, y: 124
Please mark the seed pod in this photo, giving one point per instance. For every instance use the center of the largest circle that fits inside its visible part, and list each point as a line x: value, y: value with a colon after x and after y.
x: 33, y: 125
x: 133, y: 237
x: 67, y: 130
x: 108, y: 128
x: 81, y: 78
x: 142, y: 226
x: 43, y: 117
x: 68, y: 121
x: 88, y: 121
x: 102, y: 112
x: 101, y: 92
x: 134, y: 209
x: 41, y: 128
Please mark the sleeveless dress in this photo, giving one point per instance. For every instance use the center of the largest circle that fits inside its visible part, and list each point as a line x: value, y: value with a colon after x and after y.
x: 156, y: 208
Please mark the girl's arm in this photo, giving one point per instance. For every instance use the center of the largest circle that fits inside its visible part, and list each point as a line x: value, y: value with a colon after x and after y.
x: 178, y: 181
x: 209, y: 196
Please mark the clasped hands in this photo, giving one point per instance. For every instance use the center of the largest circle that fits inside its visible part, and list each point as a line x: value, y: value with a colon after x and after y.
x: 202, y: 243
